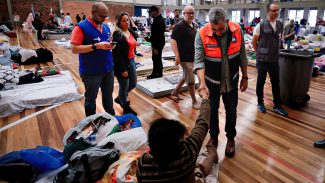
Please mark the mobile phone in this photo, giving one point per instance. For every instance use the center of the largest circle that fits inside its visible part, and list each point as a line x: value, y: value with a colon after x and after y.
x: 114, y: 43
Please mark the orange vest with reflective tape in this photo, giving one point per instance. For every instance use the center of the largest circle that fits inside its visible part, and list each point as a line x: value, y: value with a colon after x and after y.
x: 212, y: 49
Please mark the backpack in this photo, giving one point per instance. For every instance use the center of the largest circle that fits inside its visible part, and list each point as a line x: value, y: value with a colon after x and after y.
x: 87, y: 166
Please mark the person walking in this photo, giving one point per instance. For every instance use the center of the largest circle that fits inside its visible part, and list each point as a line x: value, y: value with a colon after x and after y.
x: 124, y: 64
x: 182, y: 41
x: 90, y: 39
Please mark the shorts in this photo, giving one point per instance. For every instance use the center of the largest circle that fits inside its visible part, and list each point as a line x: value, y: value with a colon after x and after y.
x: 188, y: 72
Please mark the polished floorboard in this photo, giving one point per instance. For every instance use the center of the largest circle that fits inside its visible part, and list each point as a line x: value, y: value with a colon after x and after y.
x: 269, y: 147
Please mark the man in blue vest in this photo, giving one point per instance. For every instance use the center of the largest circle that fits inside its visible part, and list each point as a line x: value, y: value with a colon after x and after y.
x: 90, y: 39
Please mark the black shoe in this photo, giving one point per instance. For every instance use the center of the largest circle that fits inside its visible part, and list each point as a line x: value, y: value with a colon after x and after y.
x: 320, y: 143
x: 117, y: 100
x: 152, y: 76
x: 128, y: 110
x: 138, y: 54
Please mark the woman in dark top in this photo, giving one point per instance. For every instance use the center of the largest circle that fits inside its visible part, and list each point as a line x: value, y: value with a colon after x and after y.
x: 124, y: 64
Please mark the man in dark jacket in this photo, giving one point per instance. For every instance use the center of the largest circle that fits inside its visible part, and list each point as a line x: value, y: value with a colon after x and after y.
x: 157, y: 40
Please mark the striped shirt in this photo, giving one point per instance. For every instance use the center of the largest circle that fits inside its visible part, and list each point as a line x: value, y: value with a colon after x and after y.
x: 181, y: 170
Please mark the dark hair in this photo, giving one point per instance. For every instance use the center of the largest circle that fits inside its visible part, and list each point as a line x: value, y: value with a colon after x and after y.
x: 269, y: 5
x: 315, y: 32
x: 153, y: 8
x: 164, y: 138
x: 118, y: 18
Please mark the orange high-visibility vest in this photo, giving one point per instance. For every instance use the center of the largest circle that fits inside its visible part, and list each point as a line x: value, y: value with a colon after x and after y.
x: 212, y: 49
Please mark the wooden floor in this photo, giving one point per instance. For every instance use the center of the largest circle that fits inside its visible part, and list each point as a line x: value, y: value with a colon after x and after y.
x: 269, y: 147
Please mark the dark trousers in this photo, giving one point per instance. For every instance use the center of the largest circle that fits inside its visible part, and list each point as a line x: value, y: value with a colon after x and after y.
x: 39, y: 33
x: 92, y: 84
x: 273, y: 69
x: 230, y: 101
x: 157, y: 62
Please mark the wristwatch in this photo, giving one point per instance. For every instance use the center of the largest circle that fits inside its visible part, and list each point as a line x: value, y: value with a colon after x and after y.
x: 93, y: 46
x: 245, y: 77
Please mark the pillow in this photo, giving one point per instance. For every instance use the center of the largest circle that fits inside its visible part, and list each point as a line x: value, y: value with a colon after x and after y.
x: 8, y: 75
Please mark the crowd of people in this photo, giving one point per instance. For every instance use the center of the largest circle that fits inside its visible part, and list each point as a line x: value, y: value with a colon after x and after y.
x: 216, y: 53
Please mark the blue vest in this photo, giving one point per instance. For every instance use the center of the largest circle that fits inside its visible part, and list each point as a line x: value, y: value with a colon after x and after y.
x: 97, y: 61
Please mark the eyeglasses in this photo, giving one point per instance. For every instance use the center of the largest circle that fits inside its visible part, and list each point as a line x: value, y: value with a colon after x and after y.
x: 190, y: 13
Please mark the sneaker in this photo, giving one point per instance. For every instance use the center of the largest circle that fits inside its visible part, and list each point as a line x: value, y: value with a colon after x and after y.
x: 139, y: 54
x: 280, y: 111
x: 261, y: 108
x: 320, y: 143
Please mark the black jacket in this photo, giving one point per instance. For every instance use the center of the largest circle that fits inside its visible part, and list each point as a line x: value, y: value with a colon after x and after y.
x: 157, y: 38
x: 121, y: 52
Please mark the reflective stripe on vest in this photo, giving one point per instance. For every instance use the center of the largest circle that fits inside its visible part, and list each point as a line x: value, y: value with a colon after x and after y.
x: 211, y: 48
x: 218, y: 82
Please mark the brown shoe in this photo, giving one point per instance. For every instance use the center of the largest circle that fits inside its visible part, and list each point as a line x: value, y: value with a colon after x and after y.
x: 230, y: 148
x: 213, y: 144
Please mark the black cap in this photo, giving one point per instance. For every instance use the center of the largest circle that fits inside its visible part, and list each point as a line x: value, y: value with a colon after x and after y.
x: 153, y: 8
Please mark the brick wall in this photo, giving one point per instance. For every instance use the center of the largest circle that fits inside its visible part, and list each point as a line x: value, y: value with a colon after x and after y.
x: 23, y: 7
x: 3, y: 9
x: 76, y: 7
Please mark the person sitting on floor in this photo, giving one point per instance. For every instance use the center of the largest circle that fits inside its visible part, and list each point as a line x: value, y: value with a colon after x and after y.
x: 173, y: 154
x: 52, y: 25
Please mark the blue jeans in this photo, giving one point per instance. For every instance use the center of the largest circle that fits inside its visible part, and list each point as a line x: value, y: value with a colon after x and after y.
x: 127, y: 84
x: 92, y: 84
x: 230, y: 101
x: 288, y: 42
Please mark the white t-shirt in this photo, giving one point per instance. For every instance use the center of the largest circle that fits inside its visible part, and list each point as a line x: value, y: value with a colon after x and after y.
x: 67, y: 20
x: 257, y: 29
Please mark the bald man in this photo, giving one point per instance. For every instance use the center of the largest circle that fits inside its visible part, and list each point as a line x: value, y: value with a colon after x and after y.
x: 90, y: 39
x: 182, y: 42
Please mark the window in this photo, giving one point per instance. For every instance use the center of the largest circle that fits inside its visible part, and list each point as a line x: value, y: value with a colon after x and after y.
x: 296, y: 15
x: 235, y: 16
x: 252, y: 14
x: 312, y: 17
x: 144, y: 12
x: 187, y: 2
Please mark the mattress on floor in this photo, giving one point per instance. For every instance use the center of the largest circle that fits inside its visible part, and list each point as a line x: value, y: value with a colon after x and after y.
x: 63, y: 43
x: 145, y: 66
x: 57, y: 36
x: 53, y: 90
x: 160, y: 87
